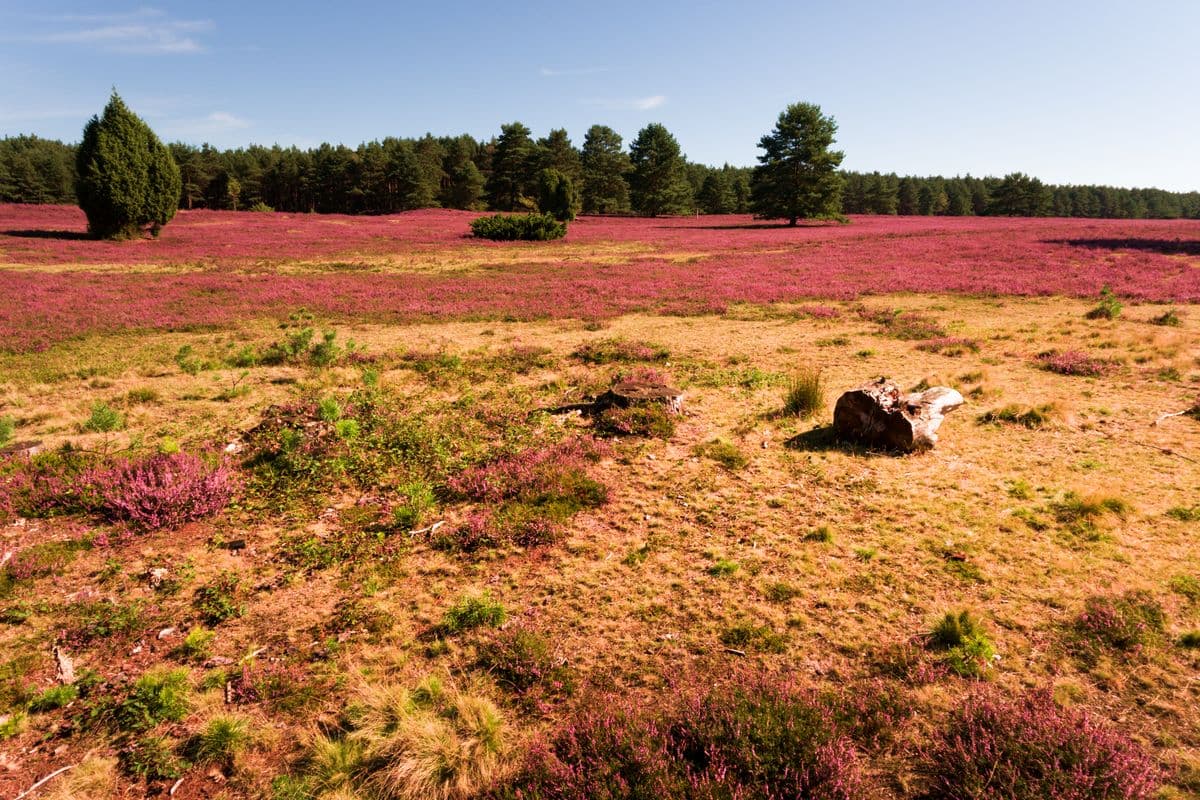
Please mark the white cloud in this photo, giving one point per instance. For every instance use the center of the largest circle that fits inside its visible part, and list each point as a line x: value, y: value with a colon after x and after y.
x: 213, y: 125
x: 226, y: 120
x: 147, y: 31
x: 647, y: 103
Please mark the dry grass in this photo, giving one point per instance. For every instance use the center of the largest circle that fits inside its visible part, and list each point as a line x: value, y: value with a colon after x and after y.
x: 945, y: 528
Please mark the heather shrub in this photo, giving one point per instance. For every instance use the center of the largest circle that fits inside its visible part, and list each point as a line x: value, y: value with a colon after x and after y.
x: 964, y: 647
x: 652, y: 420
x: 163, y: 490
x: 744, y: 737
x: 1108, y: 308
x: 952, y: 346
x: 1074, y: 362
x: 805, y: 394
x: 908, y: 325
x: 610, y: 351
x: 1125, y: 623
x: 525, y: 227
x: 520, y: 657
x: 1030, y: 748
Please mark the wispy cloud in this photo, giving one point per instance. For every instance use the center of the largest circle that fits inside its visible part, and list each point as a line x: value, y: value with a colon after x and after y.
x: 200, y: 128
x: 548, y: 72
x: 627, y: 103
x: 147, y: 31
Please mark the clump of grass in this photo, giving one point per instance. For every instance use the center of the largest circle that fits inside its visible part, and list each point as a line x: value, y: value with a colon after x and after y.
x: 1186, y: 586
x: 805, y: 394
x: 1185, y: 513
x: 620, y: 351
x: 724, y: 453
x: 473, y: 611
x: 1190, y: 640
x: 722, y: 568
x: 1081, y: 514
x: 821, y: 534
x: 1029, y: 748
x: 780, y: 591
x: 7, y: 426
x: 952, y: 346
x: 1126, y: 623
x: 142, y: 394
x: 964, y: 647
x: 195, y: 646
x: 417, y: 499
x: 151, y: 758
x: 220, y: 741
x: 908, y: 325
x: 1032, y: 417
x: 744, y: 634
x: 104, y: 419
x: 1109, y: 306
x: 433, y: 741
x: 1169, y: 318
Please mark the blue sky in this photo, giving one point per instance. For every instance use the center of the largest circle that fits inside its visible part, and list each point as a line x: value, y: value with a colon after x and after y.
x: 1073, y: 92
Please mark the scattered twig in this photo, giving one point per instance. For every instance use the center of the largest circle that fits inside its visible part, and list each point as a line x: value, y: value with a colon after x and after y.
x: 430, y: 529
x: 735, y: 652
x: 40, y: 783
x: 1164, y: 450
x: 175, y: 788
x: 1186, y: 411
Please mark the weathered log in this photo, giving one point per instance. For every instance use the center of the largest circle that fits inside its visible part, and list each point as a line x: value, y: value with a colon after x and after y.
x: 639, y: 393
x: 877, y: 415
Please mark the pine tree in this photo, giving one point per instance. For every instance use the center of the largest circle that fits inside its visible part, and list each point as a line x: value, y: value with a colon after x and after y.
x: 658, y: 183
x: 605, y: 165
x: 513, y: 163
x: 797, y: 176
x: 557, y: 195
x: 716, y: 195
x: 126, y: 179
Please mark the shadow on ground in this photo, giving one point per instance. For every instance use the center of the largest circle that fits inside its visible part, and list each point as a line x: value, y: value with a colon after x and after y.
x: 72, y: 235
x: 824, y: 440
x: 1170, y: 247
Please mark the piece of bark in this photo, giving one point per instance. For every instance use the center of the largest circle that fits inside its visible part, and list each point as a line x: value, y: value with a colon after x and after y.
x: 876, y: 414
x: 65, y: 667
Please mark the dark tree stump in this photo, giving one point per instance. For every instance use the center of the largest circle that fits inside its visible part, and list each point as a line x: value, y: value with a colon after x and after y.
x: 639, y: 393
x: 877, y: 415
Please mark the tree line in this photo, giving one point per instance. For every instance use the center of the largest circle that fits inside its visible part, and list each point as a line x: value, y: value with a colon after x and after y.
x: 504, y: 173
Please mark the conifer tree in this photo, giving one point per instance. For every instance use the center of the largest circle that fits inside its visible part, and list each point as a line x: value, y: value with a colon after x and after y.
x: 658, y: 183
x: 126, y: 180
x: 605, y: 167
x: 797, y: 176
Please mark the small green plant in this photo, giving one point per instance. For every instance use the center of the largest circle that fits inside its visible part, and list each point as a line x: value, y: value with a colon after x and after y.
x: 865, y: 553
x: 142, y: 395
x: 1185, y: 513
x: 1169, y: 318
x: 724, y: 453
x: 526, y: 227
x: 347, y: 429
x: 329, y: 409
x: 1108, y: 308
x: 12, y: 724
x: 965, y: 648
x: 821, y: 534
x: 417, y: 499
x: 1080, y: 514
x: 187, y: 361
x: 1190, y: 640
x: 104, y: 419
x: 637, y: 555
x: 1187, y: 586
x: 221, y: 740
x: 1125, y: 623
x: 1032, y: 417
x: 53, y: 698
x: 151, y: 758
x: 805, y: 394
x: 160, y: 695
x: 781, y: 591
x: 7, y: 426
x: 723, y: 568
x: 473, y: 611
x: 217, y: 600
x: 744, y: 634
x: 196, y: 645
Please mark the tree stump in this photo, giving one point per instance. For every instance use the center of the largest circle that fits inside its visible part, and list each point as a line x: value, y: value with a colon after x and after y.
x: 877, y: 415
x: 626, y: 394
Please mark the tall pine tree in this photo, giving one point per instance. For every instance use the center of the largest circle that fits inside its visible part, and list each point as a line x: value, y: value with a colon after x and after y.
x: 605, y: 167
x: 797, y: 176
x: 659, y: 181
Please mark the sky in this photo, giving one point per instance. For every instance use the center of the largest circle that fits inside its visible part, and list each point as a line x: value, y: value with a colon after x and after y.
x: 1072, y: 92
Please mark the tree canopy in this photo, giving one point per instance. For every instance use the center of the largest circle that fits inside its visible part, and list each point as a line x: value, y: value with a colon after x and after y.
x: 126, y: 180
x: 658, y: 183
x: 797, y: 177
